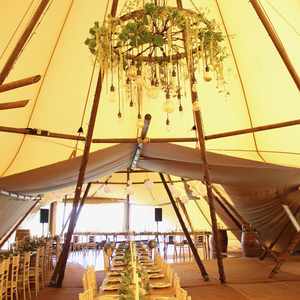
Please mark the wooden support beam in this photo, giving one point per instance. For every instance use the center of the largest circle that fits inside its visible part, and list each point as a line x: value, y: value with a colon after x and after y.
x: 52, y: 219
x: 13, y: 105
x: 57, y: 278
x: 201, y: 140
x: 251, y: 130
x: 185, y: 230
x: 22, y: 41
x: 136, y: 182
x: 182, y: 206
x: 58, y: 275
x: 19, y: 83
x: 127, y: 210
x: 42, y: 133
x: 261, y: 13
x: 46, y: 133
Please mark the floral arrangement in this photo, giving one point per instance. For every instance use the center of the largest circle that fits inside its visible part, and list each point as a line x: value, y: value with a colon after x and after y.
x: 155, y: 49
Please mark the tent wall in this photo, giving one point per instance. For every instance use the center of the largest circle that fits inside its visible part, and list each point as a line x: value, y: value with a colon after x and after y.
x: 12, y: 210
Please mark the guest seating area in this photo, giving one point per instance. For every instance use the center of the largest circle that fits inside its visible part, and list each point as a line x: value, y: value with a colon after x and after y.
x: 26, y: 268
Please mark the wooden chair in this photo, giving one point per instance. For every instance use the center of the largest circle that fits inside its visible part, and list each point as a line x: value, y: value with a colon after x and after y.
x: 92, y: 242
x: 42, y: 266
x: 85, y: 281
x: 34, y: 272
x: 12, y: 286
x: 86, y: 295
x: 200, y: 242
x: 91, y: 280
x: 24, y: 284
x: 4, y: 278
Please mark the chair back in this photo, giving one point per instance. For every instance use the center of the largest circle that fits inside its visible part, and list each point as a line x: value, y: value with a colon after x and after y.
x: 5, y: 274
x: 15, y: 264
x: 26, y: 266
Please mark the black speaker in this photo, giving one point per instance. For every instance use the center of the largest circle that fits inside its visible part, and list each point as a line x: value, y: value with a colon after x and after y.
x: 44, y: 215
x: 158, y: 214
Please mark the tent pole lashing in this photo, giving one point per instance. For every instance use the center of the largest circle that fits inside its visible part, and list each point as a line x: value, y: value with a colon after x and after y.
x: 185, y: 230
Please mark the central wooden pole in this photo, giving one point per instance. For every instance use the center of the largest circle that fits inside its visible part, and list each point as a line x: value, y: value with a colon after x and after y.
x: 185, y: 230
x: 201, y: 140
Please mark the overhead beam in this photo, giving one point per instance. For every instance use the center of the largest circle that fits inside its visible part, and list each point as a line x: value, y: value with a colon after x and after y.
x: 42, y: 133
x: 19, y: 83
x: 13, y: 105
x: 22, y: 41
x: 46, y: 133
x: 137, y: 182
x: 276, y: 41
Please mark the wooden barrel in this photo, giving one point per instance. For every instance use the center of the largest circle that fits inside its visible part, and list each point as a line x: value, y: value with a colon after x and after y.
x: 223, y: 241
x: 250, y: 244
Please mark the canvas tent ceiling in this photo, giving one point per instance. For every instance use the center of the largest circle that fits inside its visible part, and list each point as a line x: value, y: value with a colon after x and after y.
x: 261, y: 92
x: 57, y: 101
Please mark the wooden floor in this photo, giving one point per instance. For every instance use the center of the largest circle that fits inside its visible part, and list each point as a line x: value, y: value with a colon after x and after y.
x: 246, y: 280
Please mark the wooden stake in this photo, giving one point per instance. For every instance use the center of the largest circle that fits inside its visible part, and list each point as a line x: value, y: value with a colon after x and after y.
x: 201, y: 140
x: 19, y: 83
x: 276, y: 41
x: 184, y: 229
x: 22, y: 41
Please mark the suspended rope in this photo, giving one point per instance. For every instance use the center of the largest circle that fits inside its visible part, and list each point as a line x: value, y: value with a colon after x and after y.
x: 16, y: 29
x: 283, y: 17
x: 240, y: 78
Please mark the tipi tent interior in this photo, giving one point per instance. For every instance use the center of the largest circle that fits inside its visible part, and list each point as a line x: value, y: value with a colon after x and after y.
x: 113, y: 112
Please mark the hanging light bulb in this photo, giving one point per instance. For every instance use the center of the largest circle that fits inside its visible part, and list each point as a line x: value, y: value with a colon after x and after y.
x: 168, y: 106
x: 119, y: 115
x: 140, y: 123
x: 153, y: 90
x: 207, y: 76
x: 148, y: 183
x: 106, y: 189
x: 132, y: 72
x: 112, y: 94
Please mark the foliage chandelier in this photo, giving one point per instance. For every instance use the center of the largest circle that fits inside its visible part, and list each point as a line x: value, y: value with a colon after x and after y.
x: 155, y: 50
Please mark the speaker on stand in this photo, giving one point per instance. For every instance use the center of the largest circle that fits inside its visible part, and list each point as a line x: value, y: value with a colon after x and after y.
x: 158, y: 218
x: 44, y: 217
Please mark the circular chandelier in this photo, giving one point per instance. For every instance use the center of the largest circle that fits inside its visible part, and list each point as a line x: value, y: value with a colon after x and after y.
x: 155, y: 50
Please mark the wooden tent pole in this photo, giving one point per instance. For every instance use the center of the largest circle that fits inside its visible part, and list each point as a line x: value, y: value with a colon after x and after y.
x: 182, y: 206
x: 22, y: 41
x: 84, y: 160
x: 57, y: 279
x: 201, y: 140
x: 184, y: 229
x: 276, y: 41
x: 127, y: 217
x: 19, y: 83
x: 52, y: 221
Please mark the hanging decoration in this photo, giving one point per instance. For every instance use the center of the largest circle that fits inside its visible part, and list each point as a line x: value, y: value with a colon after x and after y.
x: 145, y: 54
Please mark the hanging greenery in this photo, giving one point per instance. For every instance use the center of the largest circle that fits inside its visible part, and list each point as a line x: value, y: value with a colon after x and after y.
x: 155, y: 49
